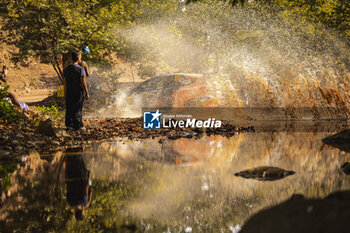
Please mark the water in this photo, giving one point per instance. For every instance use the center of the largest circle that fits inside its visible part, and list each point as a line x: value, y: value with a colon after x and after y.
x: 186, y: 185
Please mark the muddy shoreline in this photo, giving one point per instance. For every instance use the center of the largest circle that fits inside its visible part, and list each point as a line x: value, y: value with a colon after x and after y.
x: 20, y: 139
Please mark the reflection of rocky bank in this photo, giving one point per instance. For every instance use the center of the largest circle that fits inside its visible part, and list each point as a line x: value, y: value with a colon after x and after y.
x: 36, y: 200
x: 298, y: 214
x: 340, y: 140
x: 265, y: 173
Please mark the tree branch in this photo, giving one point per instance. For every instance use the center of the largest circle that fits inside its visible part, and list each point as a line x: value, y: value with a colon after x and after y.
x: 58, y: 72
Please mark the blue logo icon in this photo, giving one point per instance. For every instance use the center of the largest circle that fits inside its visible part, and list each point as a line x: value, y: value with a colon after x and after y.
x: 151, y: 120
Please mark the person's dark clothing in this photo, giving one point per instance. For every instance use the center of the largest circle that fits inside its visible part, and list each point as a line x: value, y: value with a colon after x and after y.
x: 2, y: 78
x: 77, y: 178
x: 75, y: 95
x: 74, y: 110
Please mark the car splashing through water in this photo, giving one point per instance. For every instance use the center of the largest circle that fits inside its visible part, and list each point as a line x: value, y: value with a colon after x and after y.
x: 169, y: 90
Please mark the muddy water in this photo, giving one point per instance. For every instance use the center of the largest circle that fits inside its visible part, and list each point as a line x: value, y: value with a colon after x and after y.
x: 186, y: 185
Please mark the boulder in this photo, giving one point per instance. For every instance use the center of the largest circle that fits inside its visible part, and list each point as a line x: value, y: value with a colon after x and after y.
x: 340, y: 140
x: 327, y: 215
x: 346, y: 168
x: 46, y: 128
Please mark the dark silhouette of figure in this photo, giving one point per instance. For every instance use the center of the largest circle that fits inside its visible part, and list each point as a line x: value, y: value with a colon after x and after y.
x: 75, y: 92
x: 78, y: 182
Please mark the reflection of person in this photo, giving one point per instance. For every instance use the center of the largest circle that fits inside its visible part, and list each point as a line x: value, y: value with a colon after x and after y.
x: 78, y: 182
x: 76, y: 91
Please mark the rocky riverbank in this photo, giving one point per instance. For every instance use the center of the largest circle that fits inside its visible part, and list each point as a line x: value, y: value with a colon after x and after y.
x: 22, y: 139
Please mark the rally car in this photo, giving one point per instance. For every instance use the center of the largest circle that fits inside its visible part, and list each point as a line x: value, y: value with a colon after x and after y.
x: 174, y: 90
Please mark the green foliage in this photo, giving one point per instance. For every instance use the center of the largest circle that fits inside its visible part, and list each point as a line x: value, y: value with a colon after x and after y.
x: 8, y: 113
x: 332, y: 13
x: 52, y: 112
x: 46, y: 28
x: 3, y: 90
x: 231, y: 2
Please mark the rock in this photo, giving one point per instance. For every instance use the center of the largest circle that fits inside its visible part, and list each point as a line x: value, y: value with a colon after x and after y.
x: 3, y: 196
x: 15, y: 142
x: 18, y: 148
x: 340, y: 140
x: 346, y: 168
x: 297, y: 197
x: 31, y: 144
x: 62, y: 133
x: 188, y: 134
x: 340, y: 195
x: 327, y: 215
x: 56, y: 143
x: 265, y: 173
x: 46, y: 128
x: 4, y: 153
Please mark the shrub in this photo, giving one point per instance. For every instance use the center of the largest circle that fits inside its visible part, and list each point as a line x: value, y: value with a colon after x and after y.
x: 52, y: 112
x: 8, y: 113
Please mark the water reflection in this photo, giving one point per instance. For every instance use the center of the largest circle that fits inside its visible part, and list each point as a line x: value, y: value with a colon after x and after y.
x: 78, y: 181
x: 265, y: 173
x: 157, y: 185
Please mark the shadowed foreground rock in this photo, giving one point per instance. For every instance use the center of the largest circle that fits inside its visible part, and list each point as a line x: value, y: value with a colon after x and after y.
x: 265, y: 173
x: 340, y: 140
x: 297, y: 214
x: 47, y: 128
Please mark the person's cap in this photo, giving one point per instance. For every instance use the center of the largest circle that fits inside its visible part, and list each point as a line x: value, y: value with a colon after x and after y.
x: 86, y: 49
